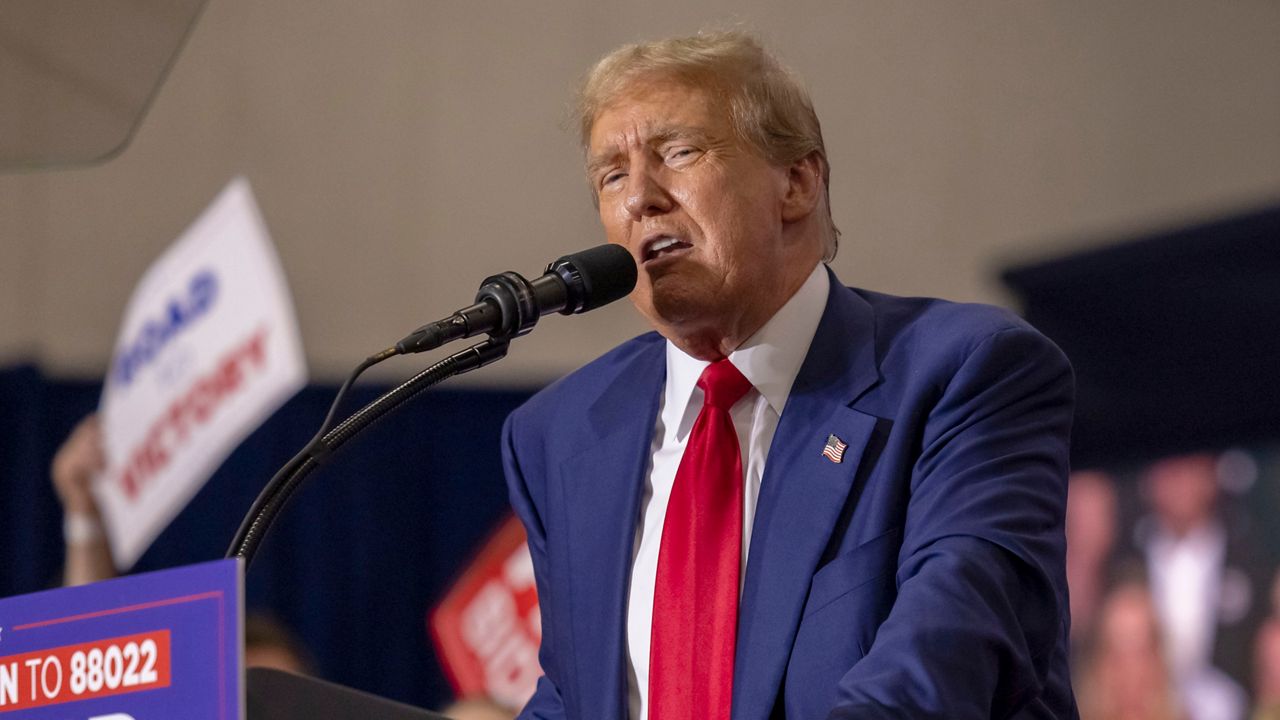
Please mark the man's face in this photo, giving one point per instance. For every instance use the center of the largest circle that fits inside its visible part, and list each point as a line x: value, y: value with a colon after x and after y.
x: 699, y: 210
x: 1183, y: 490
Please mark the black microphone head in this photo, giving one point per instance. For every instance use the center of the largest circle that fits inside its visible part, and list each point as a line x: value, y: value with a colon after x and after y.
x: 595, y: 277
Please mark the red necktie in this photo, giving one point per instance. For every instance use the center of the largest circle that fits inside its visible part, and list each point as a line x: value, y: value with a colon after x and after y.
x: 695, y: 598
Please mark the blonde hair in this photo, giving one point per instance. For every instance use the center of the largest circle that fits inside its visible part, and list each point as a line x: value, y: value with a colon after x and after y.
x: 769, y: 108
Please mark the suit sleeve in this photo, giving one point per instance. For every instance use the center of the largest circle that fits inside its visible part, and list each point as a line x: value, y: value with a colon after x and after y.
x: 980, y: 576
x: 546, y: 703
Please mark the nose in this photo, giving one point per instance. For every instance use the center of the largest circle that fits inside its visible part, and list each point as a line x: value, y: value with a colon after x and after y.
x: 646, y: 196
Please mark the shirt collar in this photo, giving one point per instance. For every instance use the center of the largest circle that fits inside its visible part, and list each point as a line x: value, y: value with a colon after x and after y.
x: 770, y: 359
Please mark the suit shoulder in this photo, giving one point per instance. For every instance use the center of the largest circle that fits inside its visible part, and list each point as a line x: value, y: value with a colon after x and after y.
x: 928, y: 337
x: 896, y: 315
x: 945, y: 326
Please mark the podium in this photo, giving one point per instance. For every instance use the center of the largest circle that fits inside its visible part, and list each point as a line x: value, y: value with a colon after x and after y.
x: 166, y: 644
x: 278, y: 695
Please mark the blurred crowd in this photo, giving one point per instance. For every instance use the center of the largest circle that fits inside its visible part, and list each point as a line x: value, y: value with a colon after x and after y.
x: 1175, y: 603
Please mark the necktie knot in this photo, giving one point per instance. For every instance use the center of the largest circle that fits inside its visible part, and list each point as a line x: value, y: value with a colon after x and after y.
x: 723, y: 384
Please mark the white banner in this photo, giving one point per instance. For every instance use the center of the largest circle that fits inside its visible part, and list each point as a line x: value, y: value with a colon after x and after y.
x: 209, y: 348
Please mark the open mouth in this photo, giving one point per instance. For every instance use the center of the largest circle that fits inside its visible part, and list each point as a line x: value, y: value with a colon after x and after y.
x: 664, y: 246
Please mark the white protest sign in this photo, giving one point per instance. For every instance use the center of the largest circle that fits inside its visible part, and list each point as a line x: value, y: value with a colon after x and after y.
x: 209, y: 348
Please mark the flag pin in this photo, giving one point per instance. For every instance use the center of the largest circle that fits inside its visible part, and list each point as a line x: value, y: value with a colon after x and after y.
x: 834, y: 451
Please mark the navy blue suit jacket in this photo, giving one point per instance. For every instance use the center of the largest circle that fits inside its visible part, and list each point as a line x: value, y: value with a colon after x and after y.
x: 922, y: 577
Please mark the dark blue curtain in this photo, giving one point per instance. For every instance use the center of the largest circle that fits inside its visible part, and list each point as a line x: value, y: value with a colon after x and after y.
x: 1174, y: 336
x: 366, y: 548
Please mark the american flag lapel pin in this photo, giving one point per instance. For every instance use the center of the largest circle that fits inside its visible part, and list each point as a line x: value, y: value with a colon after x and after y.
x: 834, y: 451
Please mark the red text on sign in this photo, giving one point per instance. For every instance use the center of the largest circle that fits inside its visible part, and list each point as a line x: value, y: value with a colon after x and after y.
x: 195, y: 408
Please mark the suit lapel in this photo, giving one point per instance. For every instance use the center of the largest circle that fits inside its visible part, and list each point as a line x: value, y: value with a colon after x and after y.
x: 601, y: 487
x: 801, y: 495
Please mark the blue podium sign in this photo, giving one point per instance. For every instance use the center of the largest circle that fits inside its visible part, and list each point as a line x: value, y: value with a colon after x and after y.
x: 157, y: 646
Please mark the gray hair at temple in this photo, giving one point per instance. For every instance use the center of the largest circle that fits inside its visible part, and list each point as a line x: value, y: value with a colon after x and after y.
x: 768, y: 106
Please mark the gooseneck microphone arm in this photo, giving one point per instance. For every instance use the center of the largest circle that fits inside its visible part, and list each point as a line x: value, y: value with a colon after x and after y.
x: 281, y: 488
x: 507, y: 306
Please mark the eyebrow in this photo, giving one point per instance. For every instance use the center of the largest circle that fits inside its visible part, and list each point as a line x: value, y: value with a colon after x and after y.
x: 600, y: 162
x: 679, y: 132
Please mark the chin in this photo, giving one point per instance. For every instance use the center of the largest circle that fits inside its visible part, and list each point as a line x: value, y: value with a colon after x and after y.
x: 682, y: 308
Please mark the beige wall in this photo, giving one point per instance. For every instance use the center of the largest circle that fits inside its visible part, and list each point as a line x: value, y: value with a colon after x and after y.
x: 402, y: 150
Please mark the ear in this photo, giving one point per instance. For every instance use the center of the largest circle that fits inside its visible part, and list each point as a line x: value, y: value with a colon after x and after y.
x: 804, y: 188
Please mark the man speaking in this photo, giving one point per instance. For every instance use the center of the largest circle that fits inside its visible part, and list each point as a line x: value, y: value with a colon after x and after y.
x: 795, y: 499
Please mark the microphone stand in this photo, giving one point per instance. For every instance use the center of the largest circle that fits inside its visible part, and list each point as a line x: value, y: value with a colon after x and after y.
x: 266, y: 508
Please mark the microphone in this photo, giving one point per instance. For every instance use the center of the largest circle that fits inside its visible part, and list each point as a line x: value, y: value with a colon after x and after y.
x: 507, y: 305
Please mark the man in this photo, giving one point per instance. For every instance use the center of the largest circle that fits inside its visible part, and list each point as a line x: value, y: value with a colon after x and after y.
x: 794, y: 499
x: 1209, y: 589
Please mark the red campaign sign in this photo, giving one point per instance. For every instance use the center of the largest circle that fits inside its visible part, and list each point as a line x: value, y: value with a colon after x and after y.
x: 488, y: 628
x: 87, y: 670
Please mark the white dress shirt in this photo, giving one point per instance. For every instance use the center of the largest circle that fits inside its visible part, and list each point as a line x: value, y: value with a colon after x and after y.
x: 770, y: 359
x: 1189, y: 584
x: 1185, y: 586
